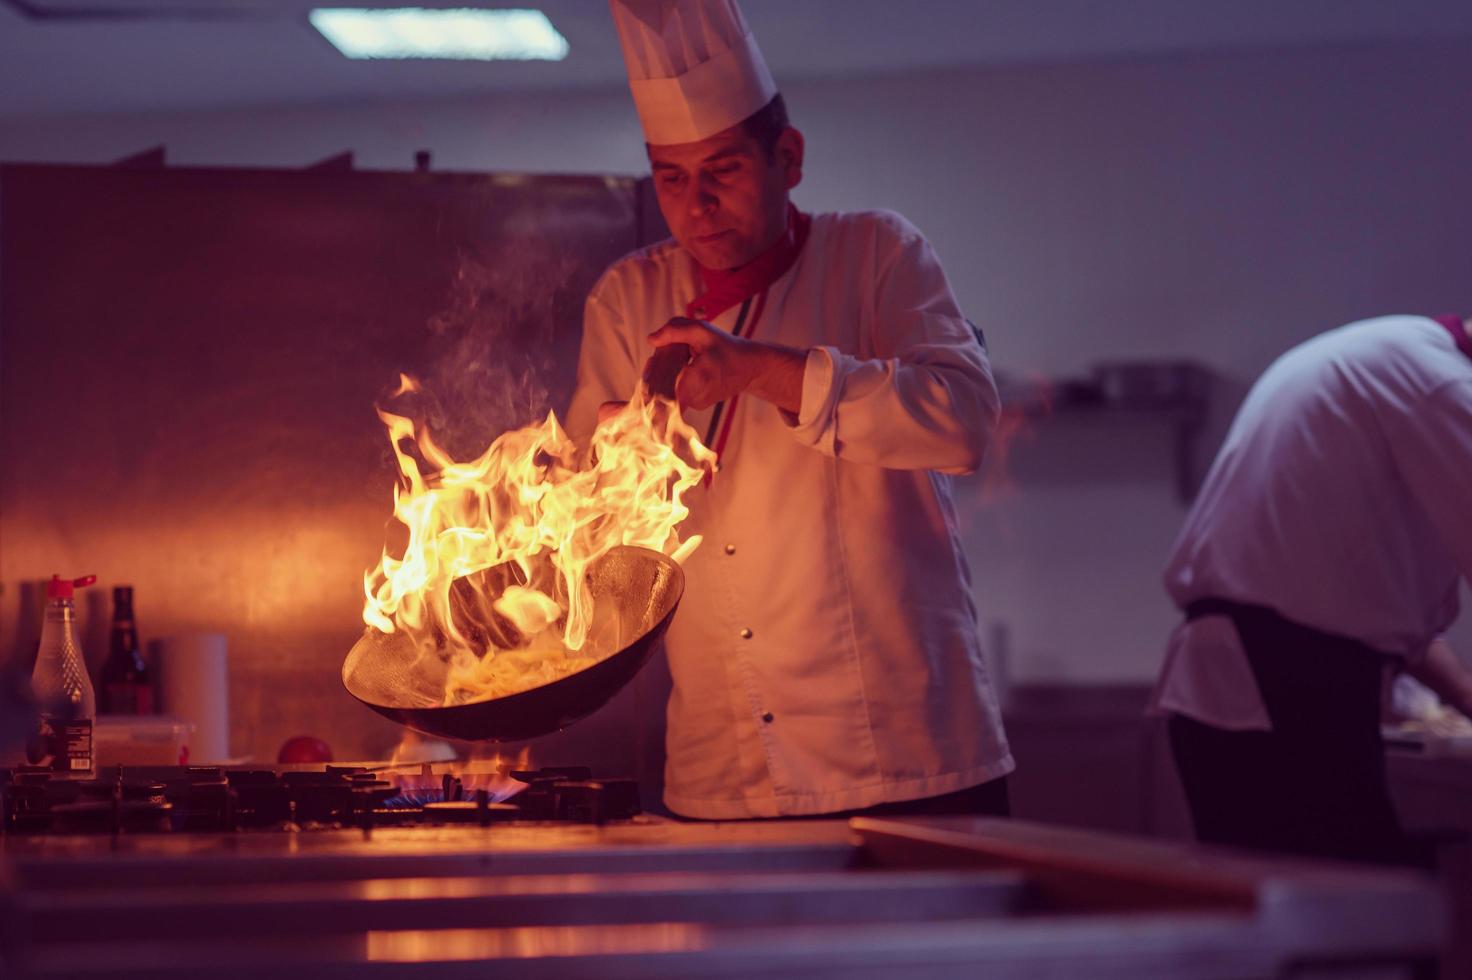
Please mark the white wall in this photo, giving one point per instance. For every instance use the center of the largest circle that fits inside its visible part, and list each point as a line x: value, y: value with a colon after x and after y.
x: 1213, y: 207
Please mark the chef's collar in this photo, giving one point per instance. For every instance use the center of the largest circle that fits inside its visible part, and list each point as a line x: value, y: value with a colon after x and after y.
x: 724, y: 288
x: 1457, y: 327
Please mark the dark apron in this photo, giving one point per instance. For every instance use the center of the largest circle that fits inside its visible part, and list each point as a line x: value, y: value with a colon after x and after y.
x: 1316, y: 783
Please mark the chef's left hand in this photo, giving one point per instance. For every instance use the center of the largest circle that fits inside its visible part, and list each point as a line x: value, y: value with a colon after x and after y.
x: 722, y: 366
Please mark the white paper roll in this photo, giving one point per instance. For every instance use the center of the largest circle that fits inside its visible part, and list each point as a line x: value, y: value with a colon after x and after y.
x: 193, y: 676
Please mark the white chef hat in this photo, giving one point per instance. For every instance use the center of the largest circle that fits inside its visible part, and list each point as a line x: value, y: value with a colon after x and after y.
x: 694, y: 67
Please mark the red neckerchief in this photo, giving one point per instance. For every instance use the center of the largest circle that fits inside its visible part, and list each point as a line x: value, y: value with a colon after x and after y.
x: 724, y: 288
x: 1454, y: 326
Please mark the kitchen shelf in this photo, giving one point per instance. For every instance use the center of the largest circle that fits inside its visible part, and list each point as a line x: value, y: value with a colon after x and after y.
x: 1176, y: 392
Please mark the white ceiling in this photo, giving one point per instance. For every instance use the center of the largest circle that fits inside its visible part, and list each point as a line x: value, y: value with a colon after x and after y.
x: 84, y: 56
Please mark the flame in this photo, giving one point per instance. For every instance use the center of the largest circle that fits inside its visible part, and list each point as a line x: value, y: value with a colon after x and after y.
x: 494, y: 575
x: 425, y: 781
x: 415, y: 749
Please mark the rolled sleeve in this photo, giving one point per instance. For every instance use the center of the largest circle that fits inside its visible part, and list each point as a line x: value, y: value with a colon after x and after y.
x: 925, y: 399
x: 813, y: 425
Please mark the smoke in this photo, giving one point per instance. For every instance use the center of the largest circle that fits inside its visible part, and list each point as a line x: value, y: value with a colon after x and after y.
x: 503, y: 349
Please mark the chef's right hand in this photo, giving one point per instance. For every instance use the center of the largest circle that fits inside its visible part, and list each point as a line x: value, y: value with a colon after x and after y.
x: 608, y: 410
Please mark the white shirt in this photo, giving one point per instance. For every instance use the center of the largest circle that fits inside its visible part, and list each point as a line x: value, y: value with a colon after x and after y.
x: 825, y: 654
x: 1341, y: 499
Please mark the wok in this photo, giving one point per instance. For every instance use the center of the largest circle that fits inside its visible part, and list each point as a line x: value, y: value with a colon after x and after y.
x: 635, y: 592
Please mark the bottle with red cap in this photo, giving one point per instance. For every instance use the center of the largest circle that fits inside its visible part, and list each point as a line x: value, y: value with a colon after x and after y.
x: 63, y: 691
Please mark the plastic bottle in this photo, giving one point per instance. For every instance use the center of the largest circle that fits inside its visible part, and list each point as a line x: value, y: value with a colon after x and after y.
x: 63, y: 691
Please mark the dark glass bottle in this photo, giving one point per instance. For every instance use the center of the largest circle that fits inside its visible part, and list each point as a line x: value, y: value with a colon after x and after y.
x: 127, y: 685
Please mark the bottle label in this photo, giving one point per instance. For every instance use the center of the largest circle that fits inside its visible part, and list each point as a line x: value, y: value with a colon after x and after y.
x: 63, y: 744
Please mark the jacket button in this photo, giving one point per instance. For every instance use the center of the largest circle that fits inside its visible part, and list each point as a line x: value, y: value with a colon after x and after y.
x: 767, y: 717
x: 745, y: 633
x: 730, y: 549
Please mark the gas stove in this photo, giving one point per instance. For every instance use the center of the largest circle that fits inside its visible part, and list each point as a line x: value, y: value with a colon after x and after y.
x: 183, y: 799
x: 465, y: 870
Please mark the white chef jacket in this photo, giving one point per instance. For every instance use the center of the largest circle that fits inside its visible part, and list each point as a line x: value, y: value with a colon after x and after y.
x: 1341, y: 499
x: 825, y: 654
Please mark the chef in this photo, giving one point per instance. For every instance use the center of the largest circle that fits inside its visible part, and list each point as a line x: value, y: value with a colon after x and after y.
x: 825, y: 656
x: 1324, y: 548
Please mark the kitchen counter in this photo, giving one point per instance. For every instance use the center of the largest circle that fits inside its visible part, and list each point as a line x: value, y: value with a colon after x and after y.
x: 648, y: 897
x: 1432, y: 787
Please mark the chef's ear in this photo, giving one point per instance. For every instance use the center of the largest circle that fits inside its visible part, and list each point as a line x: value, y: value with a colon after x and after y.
x: 789, y: 151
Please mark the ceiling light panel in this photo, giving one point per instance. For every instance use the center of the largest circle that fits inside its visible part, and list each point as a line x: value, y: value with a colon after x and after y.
x: 434, y: 33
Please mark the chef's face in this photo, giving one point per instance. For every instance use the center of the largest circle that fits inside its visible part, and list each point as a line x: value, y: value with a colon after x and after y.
x: 725, y: 197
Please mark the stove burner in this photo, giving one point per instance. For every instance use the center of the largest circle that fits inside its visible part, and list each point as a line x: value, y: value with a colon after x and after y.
x: 471, y: 811
x: 160, y: 799
x: 411, y: 794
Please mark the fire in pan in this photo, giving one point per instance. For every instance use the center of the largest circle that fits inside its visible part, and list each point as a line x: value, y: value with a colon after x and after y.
x: 635, y: 591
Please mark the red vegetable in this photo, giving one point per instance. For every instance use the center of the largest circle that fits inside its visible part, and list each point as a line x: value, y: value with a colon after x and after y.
x: 304, y: 748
